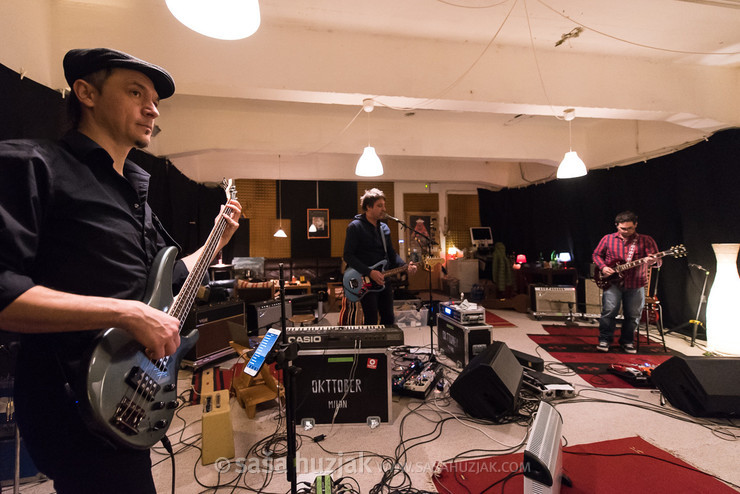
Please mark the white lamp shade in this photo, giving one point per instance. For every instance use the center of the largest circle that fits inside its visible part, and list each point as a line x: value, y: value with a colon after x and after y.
x: 220, y: 19
x: 564, y: 257
x: 572, y: 166
x: 369, y: 164
x: 280, y: 233
x: 723, y: 329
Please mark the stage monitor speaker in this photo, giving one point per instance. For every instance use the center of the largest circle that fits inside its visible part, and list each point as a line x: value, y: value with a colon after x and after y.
x: 701, y: 386
x: 488, y: 387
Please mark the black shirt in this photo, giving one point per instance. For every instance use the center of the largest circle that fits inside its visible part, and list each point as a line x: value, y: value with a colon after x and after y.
x: 363, y: 246
x: 70, y: 222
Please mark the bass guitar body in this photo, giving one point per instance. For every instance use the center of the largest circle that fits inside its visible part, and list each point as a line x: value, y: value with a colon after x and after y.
x: 131, y: 399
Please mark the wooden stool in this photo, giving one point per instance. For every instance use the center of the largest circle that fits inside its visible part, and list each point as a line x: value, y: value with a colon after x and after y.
x: 251, y: 391
x: 302, y: 319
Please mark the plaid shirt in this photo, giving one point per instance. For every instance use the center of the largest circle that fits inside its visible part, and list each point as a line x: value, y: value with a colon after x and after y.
x: 613, y: 250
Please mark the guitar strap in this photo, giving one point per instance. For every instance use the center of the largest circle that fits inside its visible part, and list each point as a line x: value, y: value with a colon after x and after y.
x: 382, y: 237
x: 631, y: 252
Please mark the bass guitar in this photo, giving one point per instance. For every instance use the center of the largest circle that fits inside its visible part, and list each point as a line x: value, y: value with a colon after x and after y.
x: 603, y: 281
x: 356, y: 286
x: 130, y: 398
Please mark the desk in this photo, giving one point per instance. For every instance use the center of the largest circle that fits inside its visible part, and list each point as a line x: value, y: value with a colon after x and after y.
x: 297, y: 288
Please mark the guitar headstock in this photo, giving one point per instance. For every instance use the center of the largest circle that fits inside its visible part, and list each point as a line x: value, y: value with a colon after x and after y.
x: 229, y: 187
x: 678, y: 251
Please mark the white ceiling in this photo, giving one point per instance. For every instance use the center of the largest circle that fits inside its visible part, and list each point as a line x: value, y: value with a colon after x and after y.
x: 466, y: 90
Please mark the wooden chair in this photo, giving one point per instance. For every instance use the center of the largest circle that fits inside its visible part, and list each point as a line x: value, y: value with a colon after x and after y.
x: 652, y: 313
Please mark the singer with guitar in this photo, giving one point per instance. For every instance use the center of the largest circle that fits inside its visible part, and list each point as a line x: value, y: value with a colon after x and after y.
x: 368, y: 243
x: 628, y: 290
x: 77, y: 246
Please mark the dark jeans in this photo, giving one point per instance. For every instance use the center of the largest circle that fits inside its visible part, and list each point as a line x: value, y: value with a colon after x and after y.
x: 378, y: 302
x: 632, y: 300
x: 61, y: 445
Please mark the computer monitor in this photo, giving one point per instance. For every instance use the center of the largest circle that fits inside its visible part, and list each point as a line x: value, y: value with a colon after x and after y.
x: 481, y: 236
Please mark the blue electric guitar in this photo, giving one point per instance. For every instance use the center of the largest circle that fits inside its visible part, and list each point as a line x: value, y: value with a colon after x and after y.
x: 130, y: 398
x: 356, y: 286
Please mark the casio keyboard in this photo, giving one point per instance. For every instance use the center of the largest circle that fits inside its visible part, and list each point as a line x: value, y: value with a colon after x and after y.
x: 330, y: 337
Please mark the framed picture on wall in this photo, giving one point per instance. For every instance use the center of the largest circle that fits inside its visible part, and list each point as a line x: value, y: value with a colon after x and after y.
x: 426, y: 224
x: 318, y: 223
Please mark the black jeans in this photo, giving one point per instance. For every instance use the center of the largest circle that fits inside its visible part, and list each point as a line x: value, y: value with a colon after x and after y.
x: 378, y: 302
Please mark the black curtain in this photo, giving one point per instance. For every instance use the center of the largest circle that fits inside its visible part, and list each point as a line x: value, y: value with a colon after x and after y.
x: 31, y: 111
x: 689, y: 197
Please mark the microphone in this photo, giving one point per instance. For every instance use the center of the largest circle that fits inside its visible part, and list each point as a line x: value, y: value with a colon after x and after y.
x: 388, y: 216
x: 698, y: 267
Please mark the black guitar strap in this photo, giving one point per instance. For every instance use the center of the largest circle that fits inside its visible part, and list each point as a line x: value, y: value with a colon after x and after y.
x: 382, y: 237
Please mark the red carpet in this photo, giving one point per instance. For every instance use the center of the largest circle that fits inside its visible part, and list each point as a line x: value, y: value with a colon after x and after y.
x: 496, y: 321
x: 576, y: 348
x: 629, y: 465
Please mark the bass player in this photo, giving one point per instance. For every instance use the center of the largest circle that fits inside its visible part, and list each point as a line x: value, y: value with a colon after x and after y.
x: 77, y: 239
x: 628, y: 291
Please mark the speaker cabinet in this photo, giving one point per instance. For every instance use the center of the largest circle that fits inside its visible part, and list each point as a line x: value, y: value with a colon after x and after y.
x: 553, y: 299
x: 217, y: 324
x: 701, y: 386
x: 488, y: 387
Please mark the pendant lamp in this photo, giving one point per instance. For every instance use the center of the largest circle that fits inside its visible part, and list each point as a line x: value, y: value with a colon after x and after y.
x: 369, y: 164
x: 572, y: 166
x: 220, y: 19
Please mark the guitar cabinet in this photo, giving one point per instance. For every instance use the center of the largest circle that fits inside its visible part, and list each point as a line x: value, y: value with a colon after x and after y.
x: 217, y: 324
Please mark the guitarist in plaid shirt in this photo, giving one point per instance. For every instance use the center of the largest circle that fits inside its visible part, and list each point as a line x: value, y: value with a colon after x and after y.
x: 622, y: 246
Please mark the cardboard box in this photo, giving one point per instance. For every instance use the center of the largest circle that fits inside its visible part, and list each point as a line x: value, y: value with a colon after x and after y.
x: 412, y: 318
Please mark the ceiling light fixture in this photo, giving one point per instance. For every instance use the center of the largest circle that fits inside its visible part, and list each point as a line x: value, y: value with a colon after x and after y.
x: 369, y: 164
x: 313, y: 228
x: 280, y: 233
x: 220, y: 19
x: 572, y: 166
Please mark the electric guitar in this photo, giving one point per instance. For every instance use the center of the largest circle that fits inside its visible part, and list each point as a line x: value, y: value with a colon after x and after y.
x: 356, y: 286
x: 130, y: 398
x: 603, y: 281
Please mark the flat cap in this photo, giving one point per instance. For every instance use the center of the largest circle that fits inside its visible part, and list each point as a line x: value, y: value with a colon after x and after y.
x: 81, y: 62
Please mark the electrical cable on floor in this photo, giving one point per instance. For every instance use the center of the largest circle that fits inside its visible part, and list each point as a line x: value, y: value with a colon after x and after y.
x: 168, y: 446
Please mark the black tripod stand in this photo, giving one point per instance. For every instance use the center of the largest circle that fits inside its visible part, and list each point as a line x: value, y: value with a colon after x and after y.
x: 702, y: 300
x: 282, y: 356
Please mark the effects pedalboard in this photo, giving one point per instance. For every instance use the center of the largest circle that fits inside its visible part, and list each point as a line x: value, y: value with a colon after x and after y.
x: 545, y: 386
x: 418, y: 379
x: 466, y: 313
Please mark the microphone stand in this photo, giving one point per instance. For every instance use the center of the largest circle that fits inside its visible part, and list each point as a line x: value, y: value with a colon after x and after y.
x: 430, y: 318
x: 283, y: 357
x: 702, y: 300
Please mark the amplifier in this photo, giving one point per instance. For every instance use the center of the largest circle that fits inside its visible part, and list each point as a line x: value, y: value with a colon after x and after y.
x: 553, y: 299
x: 353, y: 384
x: 217, y: 324
x: 466, y: 313
x: 459, y: 342
x: 266, y: 313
